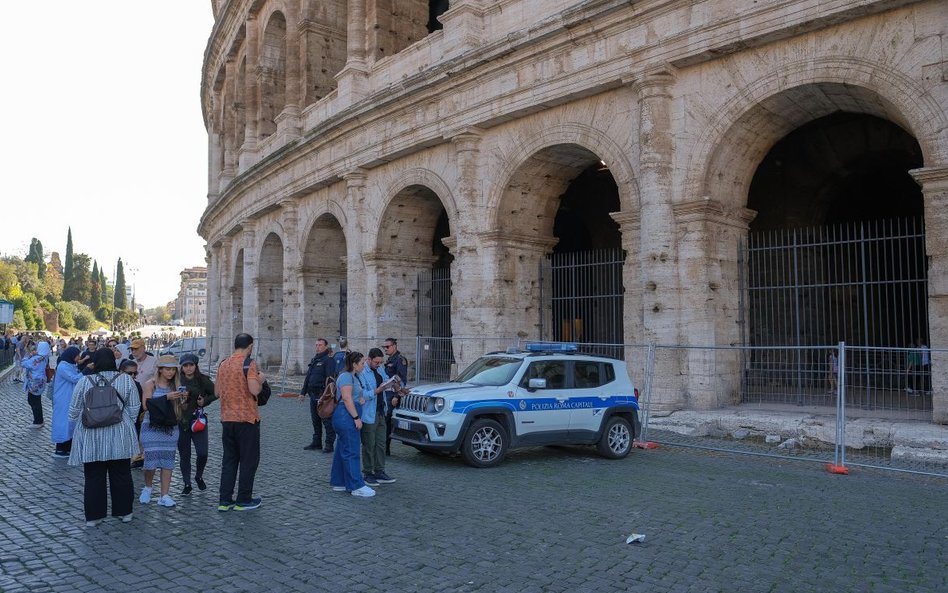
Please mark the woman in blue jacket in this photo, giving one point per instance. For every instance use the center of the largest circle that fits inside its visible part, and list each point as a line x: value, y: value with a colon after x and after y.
x: 36, y: 381
x: 67, y: 375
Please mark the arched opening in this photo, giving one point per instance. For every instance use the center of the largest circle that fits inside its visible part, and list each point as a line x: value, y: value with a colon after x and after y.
x: 237, y: 294
x: 272, y: 77
x: 836, y: 251
x: 324, y: 281
x: 557, y: 209
x: 270, y: 302
x: 414, y: 275
x: 435, y: 9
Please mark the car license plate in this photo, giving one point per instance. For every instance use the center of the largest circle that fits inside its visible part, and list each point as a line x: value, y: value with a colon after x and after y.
x: 404, y: 424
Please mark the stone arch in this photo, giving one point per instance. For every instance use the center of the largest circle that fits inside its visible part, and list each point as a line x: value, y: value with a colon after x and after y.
x: 324, y: 270
x: 588, y: 141
x: 561, y: 195
x: 726, y: 155
x: 240, y: 103
x: 412, y: 228
x: 270, y: 266
x: 272, y: 72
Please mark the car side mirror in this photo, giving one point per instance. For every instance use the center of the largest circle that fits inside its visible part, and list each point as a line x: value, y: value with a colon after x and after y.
x: 537, y: 384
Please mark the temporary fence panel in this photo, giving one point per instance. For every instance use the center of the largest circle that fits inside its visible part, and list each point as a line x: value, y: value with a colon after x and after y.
x: 862, y: 283
x: 693, y: 399
x: 582, y: 297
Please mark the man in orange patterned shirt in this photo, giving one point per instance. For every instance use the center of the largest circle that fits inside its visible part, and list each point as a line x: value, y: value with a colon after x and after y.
x: 238, y: 383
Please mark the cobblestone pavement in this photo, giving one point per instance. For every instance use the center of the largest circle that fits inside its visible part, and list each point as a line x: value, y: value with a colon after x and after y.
x: 548, y: 519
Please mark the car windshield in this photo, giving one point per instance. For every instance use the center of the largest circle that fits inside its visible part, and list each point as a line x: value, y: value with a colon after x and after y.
x: 490, y: 370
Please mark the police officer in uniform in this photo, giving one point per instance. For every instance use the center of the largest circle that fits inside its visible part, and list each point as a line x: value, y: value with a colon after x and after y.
x: 321, y: 368
x: 395, y: 366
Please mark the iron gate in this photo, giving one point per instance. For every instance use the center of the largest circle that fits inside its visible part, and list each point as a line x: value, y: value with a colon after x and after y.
x: 863, y: 283
x: 434, y: 323
x: 581, y: 300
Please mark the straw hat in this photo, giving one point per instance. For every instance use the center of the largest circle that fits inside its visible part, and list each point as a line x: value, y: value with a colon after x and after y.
x: 167, y: 361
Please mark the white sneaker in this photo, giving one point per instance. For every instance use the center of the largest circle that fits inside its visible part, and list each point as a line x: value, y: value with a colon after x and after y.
x: 145, y: 498
x: 40, y: 425
x: 93, y: 523
x: 166, y: 501
x: 364, y: 492
x: 126, y: 518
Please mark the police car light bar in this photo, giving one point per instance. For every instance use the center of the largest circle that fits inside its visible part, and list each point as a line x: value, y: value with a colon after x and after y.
x: 551, y: 347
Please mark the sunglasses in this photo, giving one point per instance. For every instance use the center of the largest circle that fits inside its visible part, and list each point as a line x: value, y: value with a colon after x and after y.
x: 132, y: 374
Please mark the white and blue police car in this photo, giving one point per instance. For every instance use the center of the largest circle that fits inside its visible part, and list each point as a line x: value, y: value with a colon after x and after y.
x: 549, y: 394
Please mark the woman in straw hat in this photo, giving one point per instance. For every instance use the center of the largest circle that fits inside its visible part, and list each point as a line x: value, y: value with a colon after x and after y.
x: 160, y: 442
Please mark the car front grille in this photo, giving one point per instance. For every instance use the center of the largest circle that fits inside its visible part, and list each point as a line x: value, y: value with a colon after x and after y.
x: 415, y: 402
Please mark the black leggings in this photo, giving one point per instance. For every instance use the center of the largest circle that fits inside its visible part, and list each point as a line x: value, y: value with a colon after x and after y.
x: 36, y: 404
x: 185, y: 438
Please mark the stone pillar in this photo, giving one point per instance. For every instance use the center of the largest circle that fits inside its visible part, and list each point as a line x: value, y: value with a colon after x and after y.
x: 287, y: 121
x: 633, y: 331
x: 358, y: 323
x: 659, y: 252
x: 229, y: 125
x: 212, y: 301
x: 708, y: 271
x: 225, y: 312
x: 247, y: 153
x: 392, y: 288
x: 251, y: 278
x: 934, y: 182
x: 214, y: 154
x: 293, y: 327
x: 510, y: 286
x: 463, y: 26
x: 353, y: 78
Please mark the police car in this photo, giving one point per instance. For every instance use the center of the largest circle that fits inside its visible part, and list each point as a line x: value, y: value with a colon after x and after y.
x: 548, y: 394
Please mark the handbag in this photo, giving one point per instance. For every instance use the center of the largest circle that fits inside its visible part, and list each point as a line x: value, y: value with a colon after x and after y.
x: 198, y: 420
x: 326, y: 405
x: 160, y: 412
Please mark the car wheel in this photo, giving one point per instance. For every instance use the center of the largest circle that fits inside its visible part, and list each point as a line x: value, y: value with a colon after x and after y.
x: 202, y: 352
x: 485, y: 443
x: 616, y: 440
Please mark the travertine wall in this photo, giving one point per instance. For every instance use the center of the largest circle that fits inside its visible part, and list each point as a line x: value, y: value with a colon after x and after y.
x: 489, y: 119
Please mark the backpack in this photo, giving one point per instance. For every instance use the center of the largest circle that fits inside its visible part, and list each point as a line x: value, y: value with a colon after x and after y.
x: 161, y: 412
x: 101, y: 407
x: 264, y: 396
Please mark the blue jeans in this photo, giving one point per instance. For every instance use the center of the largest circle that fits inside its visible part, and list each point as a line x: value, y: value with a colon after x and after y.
x: 346, y: 467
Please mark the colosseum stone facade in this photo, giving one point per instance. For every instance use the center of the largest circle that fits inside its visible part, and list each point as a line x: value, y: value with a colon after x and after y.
x: 359, y: 149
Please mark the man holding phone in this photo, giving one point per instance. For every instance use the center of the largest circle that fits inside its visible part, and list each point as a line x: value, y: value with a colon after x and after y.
x: 376, y: 382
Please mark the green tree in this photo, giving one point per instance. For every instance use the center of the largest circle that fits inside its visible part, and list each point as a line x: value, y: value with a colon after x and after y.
x: 7, y: 278
x: 95, y: 291
x: 120, y: 301
x: 69, y: 283
x: 18, y: 321
x: 65, y: 314
x: 36, y: 256
x: 82, y: 317
x: 82, y: 284
x: 103, y: 288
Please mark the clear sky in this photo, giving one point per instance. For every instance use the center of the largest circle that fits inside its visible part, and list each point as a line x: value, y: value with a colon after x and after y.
x: 104, y: 133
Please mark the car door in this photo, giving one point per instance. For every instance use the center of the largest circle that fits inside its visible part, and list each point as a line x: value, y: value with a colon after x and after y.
x: 543, y: 415
x: 589, y: 396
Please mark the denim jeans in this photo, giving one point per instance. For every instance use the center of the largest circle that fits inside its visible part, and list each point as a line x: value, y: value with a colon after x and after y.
x: 346, y: 467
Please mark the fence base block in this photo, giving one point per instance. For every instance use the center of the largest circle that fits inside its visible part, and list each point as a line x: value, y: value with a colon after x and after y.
x: 644, y: 445
x: 837, y: 469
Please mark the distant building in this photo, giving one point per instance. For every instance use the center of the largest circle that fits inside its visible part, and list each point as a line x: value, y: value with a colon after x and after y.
x: 191, y: 304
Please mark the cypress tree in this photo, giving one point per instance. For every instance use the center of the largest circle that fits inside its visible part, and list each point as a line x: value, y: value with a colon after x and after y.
x: 95, y: 292
x: 104, y: 292
x: 69, y: 283
x: 120, y: 300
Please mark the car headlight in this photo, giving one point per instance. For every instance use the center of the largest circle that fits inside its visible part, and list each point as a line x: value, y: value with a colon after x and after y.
x: 438, y: 403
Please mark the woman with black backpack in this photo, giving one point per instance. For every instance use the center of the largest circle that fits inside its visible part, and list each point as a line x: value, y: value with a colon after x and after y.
x: 104, y: 448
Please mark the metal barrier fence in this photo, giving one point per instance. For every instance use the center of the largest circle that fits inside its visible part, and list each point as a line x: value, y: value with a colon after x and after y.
x: 6, y: 357
x: 847, y: 406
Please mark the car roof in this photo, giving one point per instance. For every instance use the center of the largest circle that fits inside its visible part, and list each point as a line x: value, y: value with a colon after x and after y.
x: 521, y: 354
